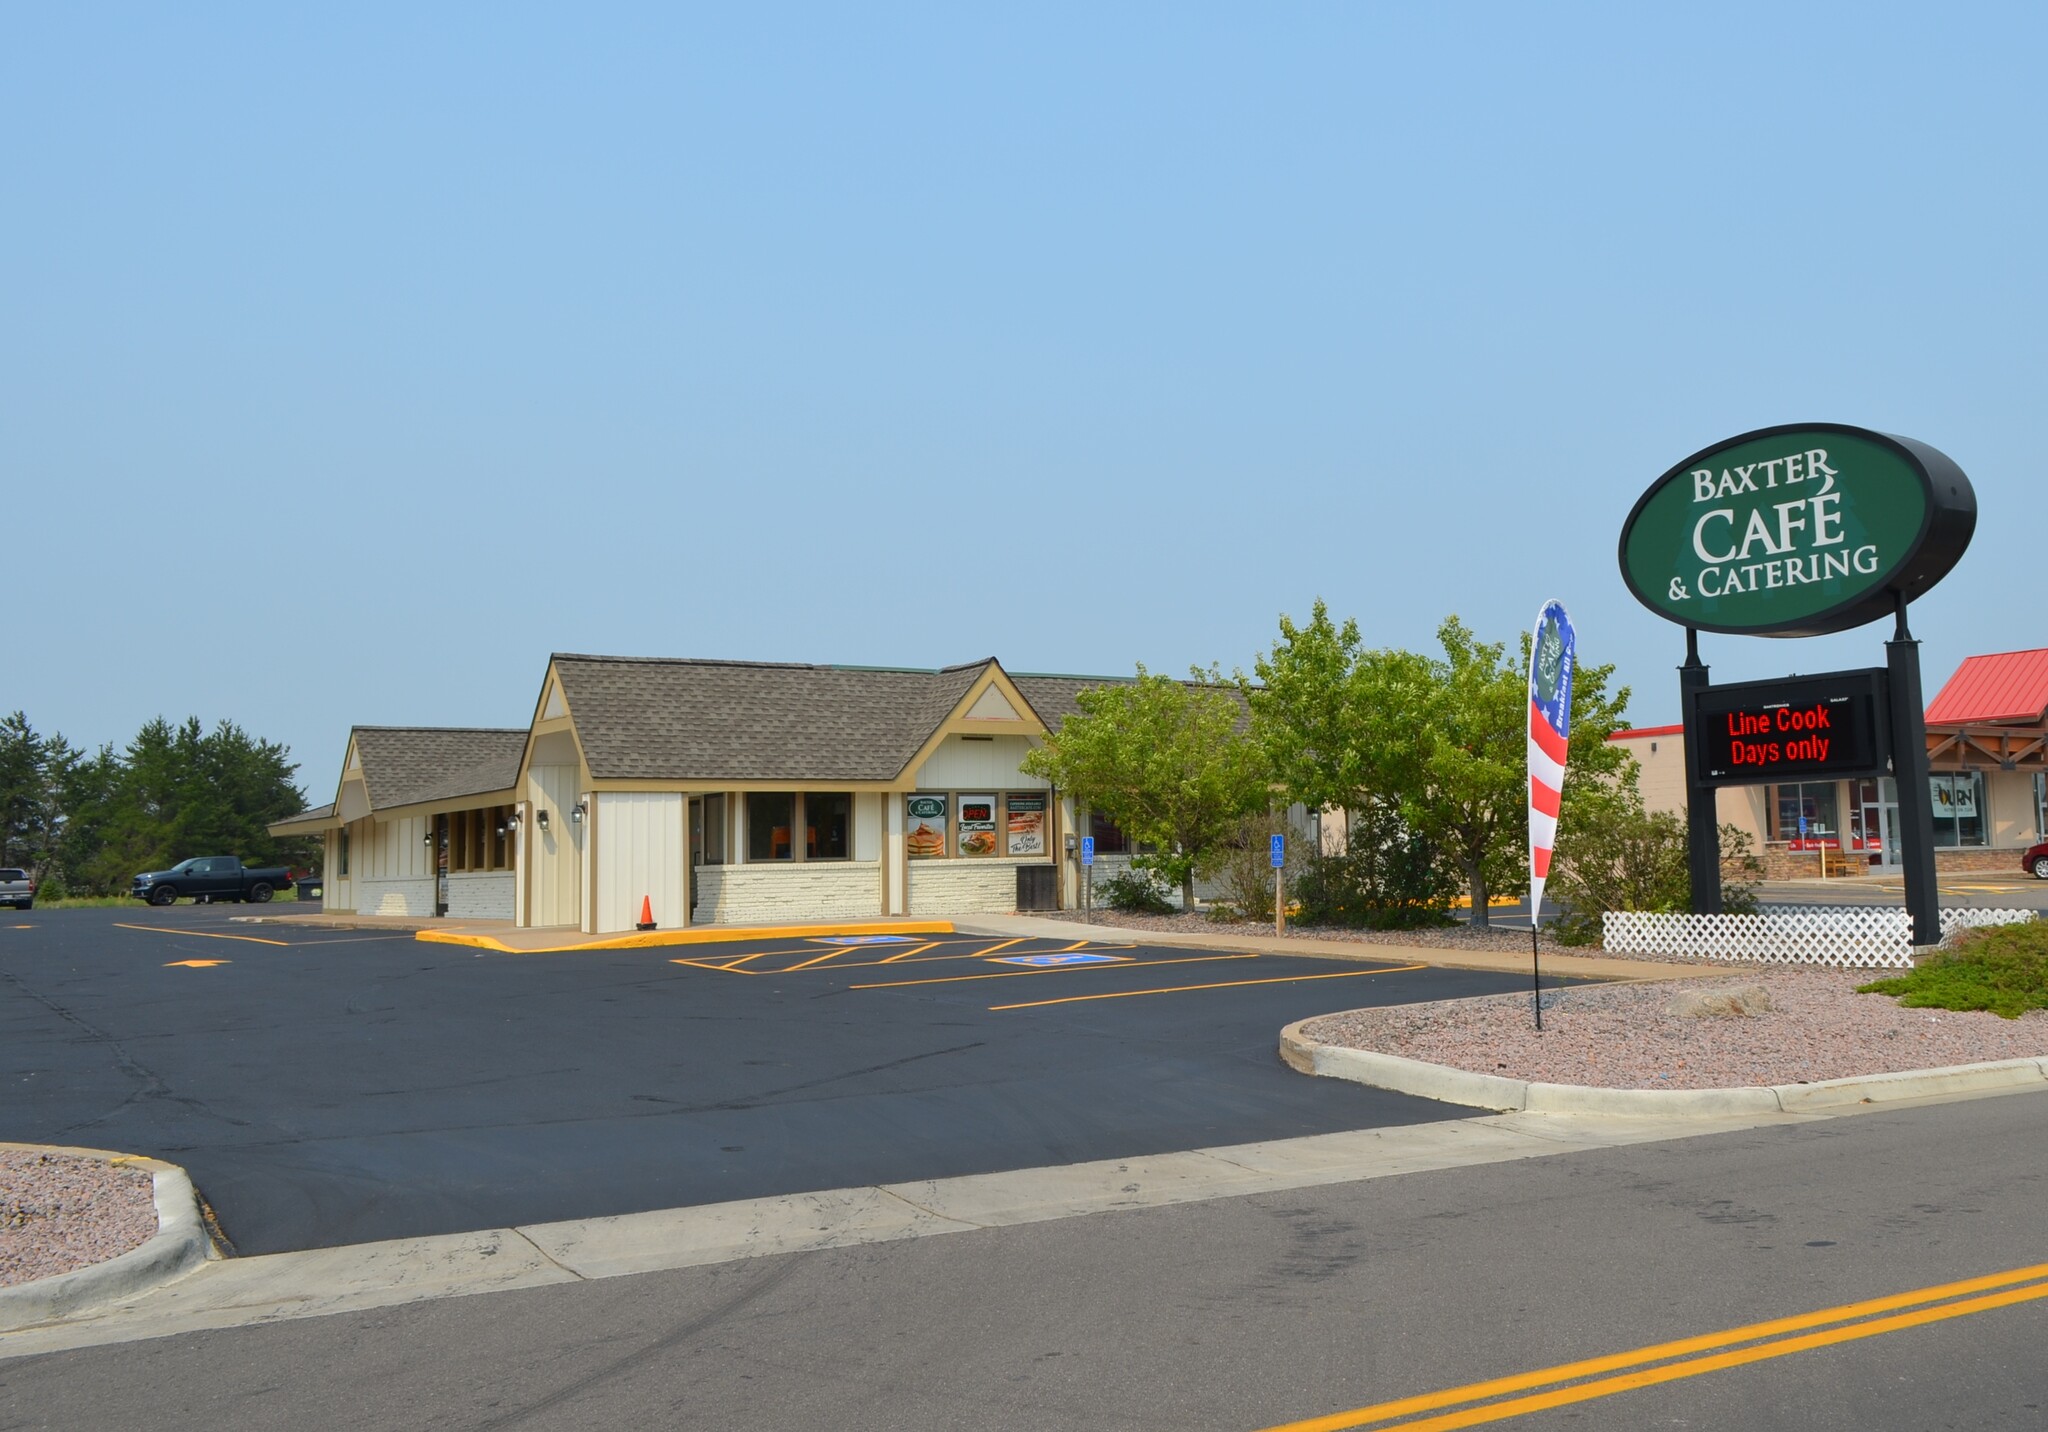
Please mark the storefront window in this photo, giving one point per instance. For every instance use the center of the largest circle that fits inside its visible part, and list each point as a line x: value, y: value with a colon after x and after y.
x: 2040, y: 806
x: 1814, y: 800
x: 828, y: 818
x: 1024, y: 823
x: 924, y: 835
x: 476, y: 839
x: 978, y: 825
x: 711, y: 838
x: 1958, y: 808
x: 1109, y: 837
x: 341, y: 856
x: 771, y: 816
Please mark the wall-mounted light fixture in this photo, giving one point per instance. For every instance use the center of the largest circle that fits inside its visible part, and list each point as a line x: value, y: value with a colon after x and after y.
x: 428, y: 838
x: 576, y: 815
x: 501, y: 830
x: 541, y: 818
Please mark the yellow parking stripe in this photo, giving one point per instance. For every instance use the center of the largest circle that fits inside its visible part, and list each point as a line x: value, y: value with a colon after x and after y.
x: 1052, y: 970
x: 1768, y: 1338
x: 906, y: 954
x: 200, y: 934
x: 1226, y: 984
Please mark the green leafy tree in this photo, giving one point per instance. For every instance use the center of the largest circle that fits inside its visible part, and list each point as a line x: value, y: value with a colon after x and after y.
x: 32, y: 770
x: 1168, y: 761
x: 1324, y: 708
x: 1467, y: 730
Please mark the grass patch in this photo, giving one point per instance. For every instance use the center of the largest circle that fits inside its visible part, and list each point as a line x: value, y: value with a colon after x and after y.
x: 2003, y: 968
x: 285, y: 895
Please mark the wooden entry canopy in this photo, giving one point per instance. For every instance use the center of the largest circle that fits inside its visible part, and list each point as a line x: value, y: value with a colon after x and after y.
x: 1992, y: 713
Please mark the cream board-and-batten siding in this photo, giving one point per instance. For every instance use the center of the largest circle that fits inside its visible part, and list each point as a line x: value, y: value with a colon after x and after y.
x: 641, y: 856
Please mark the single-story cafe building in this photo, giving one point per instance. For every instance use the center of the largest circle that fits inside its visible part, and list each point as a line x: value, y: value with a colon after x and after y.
x: 1987, y: 752
x: 719, y: 792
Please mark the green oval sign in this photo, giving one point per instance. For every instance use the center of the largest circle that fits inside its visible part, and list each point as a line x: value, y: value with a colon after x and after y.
x: 1797, y: 530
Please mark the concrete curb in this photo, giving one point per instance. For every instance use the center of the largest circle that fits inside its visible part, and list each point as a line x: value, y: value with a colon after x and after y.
x: 1505, y: 1095
x: 695, y: 935
x: 179, y: 1245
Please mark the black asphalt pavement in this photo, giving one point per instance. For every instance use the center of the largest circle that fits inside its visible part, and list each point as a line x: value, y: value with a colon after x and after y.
x: 333, y: 1088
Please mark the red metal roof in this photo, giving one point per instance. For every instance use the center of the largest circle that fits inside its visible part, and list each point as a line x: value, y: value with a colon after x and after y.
x: 1646, y: 731
x: 2008, y: 686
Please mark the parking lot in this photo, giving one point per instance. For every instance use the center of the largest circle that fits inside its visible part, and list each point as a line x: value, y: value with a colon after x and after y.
x: 338, y: 1087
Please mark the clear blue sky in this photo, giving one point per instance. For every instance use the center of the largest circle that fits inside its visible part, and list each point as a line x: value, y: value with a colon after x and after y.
x: 430, y: 339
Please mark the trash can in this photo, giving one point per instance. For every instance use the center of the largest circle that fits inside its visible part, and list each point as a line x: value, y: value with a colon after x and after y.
x: 1038, y: 887
x: 307, y: 886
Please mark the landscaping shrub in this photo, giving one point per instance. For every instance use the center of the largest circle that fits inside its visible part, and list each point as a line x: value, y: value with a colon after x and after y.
x: 1136, y: 891
x: 1387, y: 877
x: 1245, y: 870
x: 1618, y: 856
x: 2002, y: 968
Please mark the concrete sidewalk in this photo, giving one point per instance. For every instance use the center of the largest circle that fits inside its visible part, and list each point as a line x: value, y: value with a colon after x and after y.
x: 1591, y: 967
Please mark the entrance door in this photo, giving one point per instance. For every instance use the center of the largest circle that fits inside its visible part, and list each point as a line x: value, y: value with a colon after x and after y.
x: 695, y: 857
x: 1881, y: 818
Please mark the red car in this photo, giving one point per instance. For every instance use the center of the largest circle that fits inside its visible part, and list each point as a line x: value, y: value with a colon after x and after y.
x: 2036, y: 859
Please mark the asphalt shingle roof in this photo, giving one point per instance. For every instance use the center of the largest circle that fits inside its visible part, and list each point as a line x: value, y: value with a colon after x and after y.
x: 644, y: 718
x: 405, y: 765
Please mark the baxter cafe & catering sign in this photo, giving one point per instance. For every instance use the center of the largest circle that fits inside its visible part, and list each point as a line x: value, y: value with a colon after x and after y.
x: 1797, y: 531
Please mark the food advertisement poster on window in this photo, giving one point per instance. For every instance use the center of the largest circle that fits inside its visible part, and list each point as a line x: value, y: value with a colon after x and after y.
x: 1026, y: 825
x: 977, y: 825
x: 926, y: 836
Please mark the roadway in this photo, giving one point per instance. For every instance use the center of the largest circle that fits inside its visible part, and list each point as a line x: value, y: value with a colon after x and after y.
x: 1800, y: 1277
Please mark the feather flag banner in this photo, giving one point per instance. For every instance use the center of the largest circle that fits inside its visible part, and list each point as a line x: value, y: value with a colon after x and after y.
x: 1552, y: 656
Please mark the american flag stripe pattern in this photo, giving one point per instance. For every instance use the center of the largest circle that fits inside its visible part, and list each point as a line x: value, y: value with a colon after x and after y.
x: 1552, y: 656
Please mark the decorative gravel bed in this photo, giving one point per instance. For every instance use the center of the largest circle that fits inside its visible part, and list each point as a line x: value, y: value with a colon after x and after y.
x: 60, y: 1212
x: 1626, y: 1037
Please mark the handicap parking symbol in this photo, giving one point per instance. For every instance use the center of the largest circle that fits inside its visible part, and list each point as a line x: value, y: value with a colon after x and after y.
x: 1060, y: 958
x: 862, y: 940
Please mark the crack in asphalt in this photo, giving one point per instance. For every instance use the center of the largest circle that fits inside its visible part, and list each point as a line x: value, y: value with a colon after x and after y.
x: 151, y: 1085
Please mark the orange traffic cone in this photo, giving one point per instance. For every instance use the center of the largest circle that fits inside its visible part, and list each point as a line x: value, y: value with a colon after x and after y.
x: 646, y: 913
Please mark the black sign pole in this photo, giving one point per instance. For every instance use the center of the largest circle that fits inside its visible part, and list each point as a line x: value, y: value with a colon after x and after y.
x: 1909, y: 771
x: 1703, y: 827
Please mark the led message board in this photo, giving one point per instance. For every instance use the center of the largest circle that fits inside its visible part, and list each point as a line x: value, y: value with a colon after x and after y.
x: 1825, y: 727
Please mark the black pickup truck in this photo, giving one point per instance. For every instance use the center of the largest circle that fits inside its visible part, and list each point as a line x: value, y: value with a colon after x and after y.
x: 210, y: 877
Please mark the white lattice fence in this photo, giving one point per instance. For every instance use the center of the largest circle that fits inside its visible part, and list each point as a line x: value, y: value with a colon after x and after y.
x: 1851, y: 935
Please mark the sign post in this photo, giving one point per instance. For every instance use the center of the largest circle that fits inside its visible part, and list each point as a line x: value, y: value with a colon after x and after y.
x: 1803, y: 530
x: 1279, y: 857
x: 1088, y: 879
x: 1702, y: 818
x: 1909, y: 764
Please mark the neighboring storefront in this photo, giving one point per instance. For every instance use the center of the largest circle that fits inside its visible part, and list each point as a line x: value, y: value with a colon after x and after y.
x: 714, y: 792
x: 1987, y: 747
x: 420, y: 824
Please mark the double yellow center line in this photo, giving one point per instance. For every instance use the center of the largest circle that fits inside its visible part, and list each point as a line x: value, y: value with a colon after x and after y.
x: 1475, y: 1403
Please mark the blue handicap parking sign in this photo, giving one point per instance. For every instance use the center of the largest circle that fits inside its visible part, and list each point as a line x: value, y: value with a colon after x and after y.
x: 1064, y: 957
x: 1087, y: 850
x: 1279, y: 851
